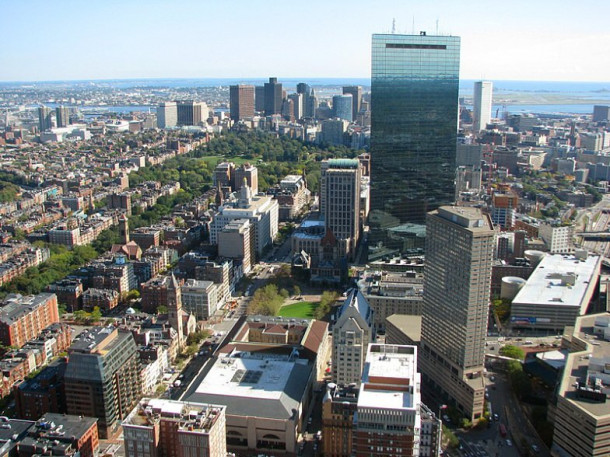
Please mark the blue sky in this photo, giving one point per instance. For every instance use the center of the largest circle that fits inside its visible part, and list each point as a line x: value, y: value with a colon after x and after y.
x: 94, y: 39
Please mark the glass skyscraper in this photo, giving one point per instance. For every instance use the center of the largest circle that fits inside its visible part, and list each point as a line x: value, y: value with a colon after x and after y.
x: 414, y: 108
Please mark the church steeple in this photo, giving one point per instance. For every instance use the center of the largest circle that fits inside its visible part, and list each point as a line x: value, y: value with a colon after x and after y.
x: 123, y: 229
x: 174, y: 308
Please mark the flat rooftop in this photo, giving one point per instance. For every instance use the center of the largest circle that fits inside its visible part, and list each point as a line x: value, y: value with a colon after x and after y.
x: 559, y: 280
x: 255, y: 384
x: 578, y: 366
x: 393, y: 366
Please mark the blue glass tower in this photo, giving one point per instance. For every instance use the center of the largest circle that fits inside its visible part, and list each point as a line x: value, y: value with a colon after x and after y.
x: 414, y: 109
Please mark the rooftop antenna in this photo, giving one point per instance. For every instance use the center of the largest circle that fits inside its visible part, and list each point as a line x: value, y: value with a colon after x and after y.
x: 437, y: 26
x: 413, y: 26
x: 393, y: 26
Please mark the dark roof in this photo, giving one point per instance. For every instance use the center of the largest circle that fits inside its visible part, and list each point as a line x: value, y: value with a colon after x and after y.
x: 72, y: 426
x: 18, y: 306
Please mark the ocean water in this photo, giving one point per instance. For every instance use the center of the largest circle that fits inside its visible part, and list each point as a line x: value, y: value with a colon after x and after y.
x: 581, y: 95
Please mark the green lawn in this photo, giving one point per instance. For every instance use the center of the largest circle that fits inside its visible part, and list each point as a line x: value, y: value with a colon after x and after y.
x: 302, y: 309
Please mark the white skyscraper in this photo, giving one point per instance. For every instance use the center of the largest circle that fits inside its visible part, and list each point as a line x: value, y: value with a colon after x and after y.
x: 483, y: 91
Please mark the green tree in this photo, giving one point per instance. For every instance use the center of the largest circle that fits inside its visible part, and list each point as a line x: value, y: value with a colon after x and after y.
x: 514, y: 352
x: 326, y: 301
x: 96, y: 314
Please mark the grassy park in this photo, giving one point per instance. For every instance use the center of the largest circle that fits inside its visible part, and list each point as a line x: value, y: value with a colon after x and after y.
x: 304, y: 309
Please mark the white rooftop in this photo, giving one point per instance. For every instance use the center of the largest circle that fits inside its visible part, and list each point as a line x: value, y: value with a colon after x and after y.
x: 247, y: 377
x: 559, y: 280
x: 395, y: 367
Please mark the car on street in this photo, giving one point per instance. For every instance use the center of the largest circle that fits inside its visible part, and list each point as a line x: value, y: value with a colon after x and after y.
x: 535, y: 448
x: 509, y: 443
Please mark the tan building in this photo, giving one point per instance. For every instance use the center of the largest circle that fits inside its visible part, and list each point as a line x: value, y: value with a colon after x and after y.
x: 391, y: 293
x: 340, y: 202
x: 241, y: 99
x: 249, y: 173
x: 236, y: 241
x: 352, y: 334
x: 167, y: 428
x: 403, y: 329
x: 582, y: 418
x: 338, y: 408
x: 459, y: 252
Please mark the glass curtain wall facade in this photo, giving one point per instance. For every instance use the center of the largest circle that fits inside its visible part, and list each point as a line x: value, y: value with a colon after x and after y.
x: 414, y: 104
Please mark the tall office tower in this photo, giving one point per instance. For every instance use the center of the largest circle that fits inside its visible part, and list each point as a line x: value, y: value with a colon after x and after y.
x: 174, y: 309
x: 62, y: 116
x: 352, y: 334
x: 44, y: 118
x: 224, y: 175
x: 288, y: 109
x: 191, y: 112
x: 457, y: 281
x: 356, y: 93
x: 414, y: 100
x: 250, y: 174
x: 340, y: 202
x: 103, y: 376
x: 388, y: 410
x: 342, y: 107
x: 297, y: 100
x: 241, y: 98
x: 273, y: 97
x: 167, y: 115
x: 259, y: 98
x: 309, y: 99
x: 482, y: 99
x: 601, y: 113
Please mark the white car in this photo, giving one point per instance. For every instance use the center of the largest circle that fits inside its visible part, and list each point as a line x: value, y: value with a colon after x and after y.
x: 509, y: 443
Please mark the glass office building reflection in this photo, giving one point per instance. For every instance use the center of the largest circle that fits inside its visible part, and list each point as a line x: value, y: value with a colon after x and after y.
x: 414, y: 108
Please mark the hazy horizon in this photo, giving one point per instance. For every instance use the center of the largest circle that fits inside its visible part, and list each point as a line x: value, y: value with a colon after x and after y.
x: 114, y: 40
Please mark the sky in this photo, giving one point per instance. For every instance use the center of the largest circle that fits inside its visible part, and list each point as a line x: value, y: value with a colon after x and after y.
x: 547, y: 40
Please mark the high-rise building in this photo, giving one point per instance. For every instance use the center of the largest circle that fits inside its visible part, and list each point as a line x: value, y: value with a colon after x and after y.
x: 414, y: 95
x: 62, y: 116
x: 102, y: 377
x: 482, y: 99
x: 340, y: 202
x: 250, y: 174
x: 236, y: 241
x: 342, y: 107
x: 297, y: 105
x: 582, y: 416
x: 356, y: 93
x: 241, y: 98
x: 224, y: 175
x: 352, y: 334
x: 273, y: 97
x: 44, y: 118
x: 388, y: 409
x: 167, y: 115
x: 191, y: 112
x: 259, y: 98
x: 601, y: 113
x: 309, y: 100
x: 459, y: 252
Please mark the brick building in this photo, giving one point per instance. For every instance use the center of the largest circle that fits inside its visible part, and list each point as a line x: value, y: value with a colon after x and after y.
x: 23, y: 318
